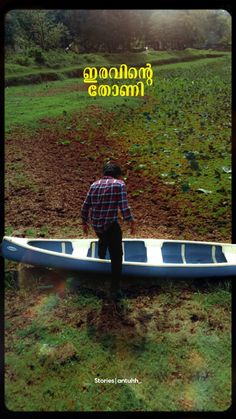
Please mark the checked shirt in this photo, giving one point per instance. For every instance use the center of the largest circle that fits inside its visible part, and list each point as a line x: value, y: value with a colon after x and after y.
x: 102, y: 202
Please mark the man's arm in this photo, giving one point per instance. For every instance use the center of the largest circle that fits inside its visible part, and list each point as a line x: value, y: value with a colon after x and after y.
x: 125, y: 209
x: 132, y: 227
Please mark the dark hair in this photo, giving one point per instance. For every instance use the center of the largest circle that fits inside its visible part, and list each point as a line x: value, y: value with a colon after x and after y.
x: 112, y: 169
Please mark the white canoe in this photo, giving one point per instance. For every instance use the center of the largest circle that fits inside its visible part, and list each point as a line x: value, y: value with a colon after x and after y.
x: 141, y: 257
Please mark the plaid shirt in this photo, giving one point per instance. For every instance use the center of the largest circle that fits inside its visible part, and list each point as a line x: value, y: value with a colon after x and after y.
x: 104, y: 198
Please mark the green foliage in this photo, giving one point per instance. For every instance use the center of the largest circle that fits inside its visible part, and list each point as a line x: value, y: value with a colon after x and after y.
x: 195, y: 28
x: 30, y: 232
x: 64, y: 142
x: 58, y: 65
x: 37, y: 54
x: 22, y: 60
x: 87, y: 30
x: 9, y: 230
x: 29, y: 28
x: 182, y: 135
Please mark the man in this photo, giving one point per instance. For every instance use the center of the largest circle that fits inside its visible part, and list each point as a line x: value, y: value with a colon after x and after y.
x: 102, y: 202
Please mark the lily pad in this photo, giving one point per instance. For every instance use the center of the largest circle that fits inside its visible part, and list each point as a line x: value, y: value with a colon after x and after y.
x: 205, y: 191
x: 227, y: 169
x: 185, y: 187
x: 194, y: 165
x: 137, y: 193
x: 142, y: 166
x: 190, y: 155
x: 217, y: 174
x: 164, y: 174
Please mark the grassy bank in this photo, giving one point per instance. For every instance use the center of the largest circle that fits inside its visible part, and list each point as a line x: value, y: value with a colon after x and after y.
x: 173, y: 338
x: 59, y: 65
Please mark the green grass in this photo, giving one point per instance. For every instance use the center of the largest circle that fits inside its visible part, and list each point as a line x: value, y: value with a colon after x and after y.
x: 182, y: 363
x: 58, y: 64
x: 26, y: 107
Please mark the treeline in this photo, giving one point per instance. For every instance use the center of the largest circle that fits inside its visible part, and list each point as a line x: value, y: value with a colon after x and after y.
x: 111, y: 31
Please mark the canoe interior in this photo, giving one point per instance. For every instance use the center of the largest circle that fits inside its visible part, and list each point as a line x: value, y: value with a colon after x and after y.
x: 54, y: 246
x: 136, y: 251
x: 192, y: 253
x: 133, y: 251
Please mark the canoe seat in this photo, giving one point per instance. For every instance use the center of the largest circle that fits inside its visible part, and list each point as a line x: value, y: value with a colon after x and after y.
x: 154, y: 253
x: 230, y: 253
x: 134, y: 251
x: 80, y: 249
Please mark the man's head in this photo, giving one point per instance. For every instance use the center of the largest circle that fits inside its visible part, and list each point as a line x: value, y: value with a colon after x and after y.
x: 112, y: 169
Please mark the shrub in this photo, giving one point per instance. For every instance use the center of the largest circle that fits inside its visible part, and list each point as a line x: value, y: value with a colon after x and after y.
x: 37, y: 54
x: 23, y: 60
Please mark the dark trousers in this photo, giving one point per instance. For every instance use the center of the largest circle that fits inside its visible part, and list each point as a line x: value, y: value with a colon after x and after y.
x: 111, y: 239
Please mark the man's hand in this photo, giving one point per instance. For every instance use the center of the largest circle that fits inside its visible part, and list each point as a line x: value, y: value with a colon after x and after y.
x: 85, y: 229
x: 132, y: 227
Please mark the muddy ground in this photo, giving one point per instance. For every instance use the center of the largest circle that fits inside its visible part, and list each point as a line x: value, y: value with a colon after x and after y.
x: 49, y: 171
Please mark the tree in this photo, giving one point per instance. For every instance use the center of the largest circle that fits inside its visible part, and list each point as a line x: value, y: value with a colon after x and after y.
x: 34, y: 27
x: 46, y: 34
x: 178, y: 29
x: 117, y: 30
x: 10, y: 30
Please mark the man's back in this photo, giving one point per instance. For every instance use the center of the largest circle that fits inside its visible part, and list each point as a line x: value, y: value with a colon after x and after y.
x: 104, y: 198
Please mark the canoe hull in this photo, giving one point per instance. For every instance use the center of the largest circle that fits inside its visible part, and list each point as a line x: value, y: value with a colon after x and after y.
x: 13, y: 251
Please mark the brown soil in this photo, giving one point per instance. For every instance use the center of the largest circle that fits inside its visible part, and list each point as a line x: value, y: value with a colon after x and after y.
x: 57, y: 177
